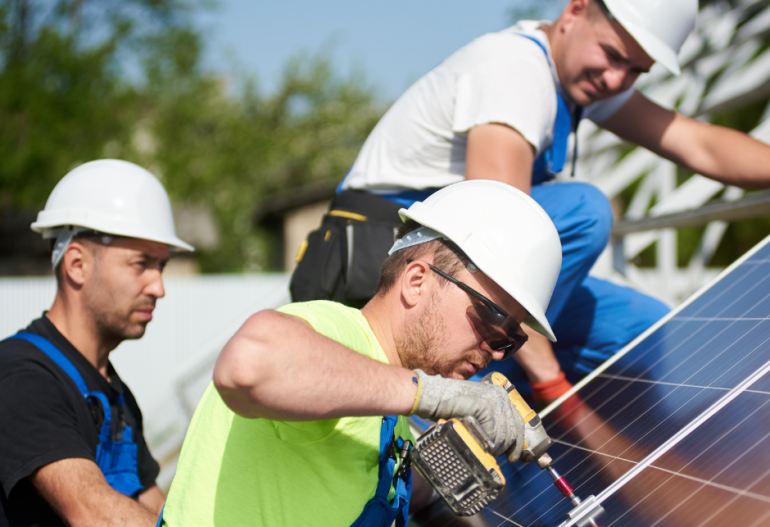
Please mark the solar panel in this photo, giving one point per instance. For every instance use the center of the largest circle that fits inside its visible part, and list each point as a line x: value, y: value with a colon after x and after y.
x: 673, y: 431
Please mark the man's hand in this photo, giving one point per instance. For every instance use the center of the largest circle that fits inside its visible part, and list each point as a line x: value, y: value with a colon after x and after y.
x: 76, y: 489
x: 440, y: 398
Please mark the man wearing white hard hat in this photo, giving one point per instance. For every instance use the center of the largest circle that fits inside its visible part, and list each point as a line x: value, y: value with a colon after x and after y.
x: 71, y: 445
x: 306, y: 399
x: 502, y: 108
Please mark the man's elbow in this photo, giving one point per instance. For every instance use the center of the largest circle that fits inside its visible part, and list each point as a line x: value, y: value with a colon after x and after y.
x: 234, y: 381
x: 241, y: 366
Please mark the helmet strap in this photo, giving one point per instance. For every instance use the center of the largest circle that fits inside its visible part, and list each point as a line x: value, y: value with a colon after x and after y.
x: 63, y: 239
x: 416, y: 237
x: 64, y: 236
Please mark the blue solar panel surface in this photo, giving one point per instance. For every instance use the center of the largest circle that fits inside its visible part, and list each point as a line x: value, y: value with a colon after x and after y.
x: 719, y: 474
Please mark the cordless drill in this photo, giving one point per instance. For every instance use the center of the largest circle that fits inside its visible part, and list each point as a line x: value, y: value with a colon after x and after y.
x: 453, y: 456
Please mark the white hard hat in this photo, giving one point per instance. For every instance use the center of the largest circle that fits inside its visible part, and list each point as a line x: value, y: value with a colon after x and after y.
x: 660, y: 27
x: 113, y: 197
x: 505, y: 233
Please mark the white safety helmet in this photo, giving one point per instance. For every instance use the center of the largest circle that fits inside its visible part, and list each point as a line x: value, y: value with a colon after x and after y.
x: 111, y: 197
x: 505, y: 233
x: 660, y: 27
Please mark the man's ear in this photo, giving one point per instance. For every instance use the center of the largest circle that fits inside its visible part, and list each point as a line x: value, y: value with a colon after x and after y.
x: 574, y: 10
x: 76, y: 263
x: 413, y: 282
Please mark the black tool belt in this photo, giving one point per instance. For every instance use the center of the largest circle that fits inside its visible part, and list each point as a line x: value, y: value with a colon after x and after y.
x: 341, y: 260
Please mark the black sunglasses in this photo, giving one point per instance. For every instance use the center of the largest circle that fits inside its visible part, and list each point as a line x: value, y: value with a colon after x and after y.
x: 498, y: 329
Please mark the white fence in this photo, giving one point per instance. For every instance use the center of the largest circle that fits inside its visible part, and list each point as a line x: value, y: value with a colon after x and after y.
x: 169, y: 368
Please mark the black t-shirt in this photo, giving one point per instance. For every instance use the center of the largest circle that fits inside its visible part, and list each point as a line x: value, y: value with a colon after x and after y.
x: 44, y: 418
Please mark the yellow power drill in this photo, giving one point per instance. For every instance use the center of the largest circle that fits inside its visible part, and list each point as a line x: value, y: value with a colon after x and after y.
x: 453, y: 456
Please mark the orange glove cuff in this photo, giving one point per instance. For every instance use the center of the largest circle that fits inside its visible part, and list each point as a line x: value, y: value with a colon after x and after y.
x: 551, y: 390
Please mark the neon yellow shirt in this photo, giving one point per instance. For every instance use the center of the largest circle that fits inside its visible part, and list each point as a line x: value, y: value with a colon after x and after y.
x: 235, y: 471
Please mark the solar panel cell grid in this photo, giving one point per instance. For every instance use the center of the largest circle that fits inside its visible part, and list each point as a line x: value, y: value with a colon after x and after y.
x: 717, y: 475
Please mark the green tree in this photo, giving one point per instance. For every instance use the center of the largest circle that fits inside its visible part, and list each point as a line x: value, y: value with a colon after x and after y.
x: 63, y: 94
x: 83, y: 80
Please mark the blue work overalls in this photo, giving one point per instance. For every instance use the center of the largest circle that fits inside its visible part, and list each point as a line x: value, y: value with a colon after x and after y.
x: 599, y: 317
x: 379, y: 511
x: 117, y: 451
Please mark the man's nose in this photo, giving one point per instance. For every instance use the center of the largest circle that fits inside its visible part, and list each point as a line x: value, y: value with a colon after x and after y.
x: 496, y: 355
x: 615, y: 78
x: 155, y: 287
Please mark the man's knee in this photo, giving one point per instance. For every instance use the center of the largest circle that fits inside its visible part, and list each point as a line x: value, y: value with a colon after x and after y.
x: 649, y: 311
x: 581, y: 212
x: 594, y: 212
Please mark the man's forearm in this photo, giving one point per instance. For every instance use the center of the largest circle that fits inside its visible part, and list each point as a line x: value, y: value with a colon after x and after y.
x: 537, y: 358
x: 152, y: 499
x: 729, y: 156
x: 76, y: 489
x: 720, y: 153
x: 276, y: 366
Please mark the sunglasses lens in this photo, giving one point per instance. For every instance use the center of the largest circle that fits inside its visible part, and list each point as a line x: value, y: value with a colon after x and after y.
x: 499, y: 331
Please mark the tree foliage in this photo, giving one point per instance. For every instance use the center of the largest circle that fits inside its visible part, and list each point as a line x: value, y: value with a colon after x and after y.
x: 82, y: 80
x: 89, y: 79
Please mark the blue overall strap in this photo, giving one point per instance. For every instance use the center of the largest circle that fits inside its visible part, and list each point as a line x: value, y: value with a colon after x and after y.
x: 55, y: 355
x: 552, y: 161
x: 379, y: 511
x: 407, y: 197
x: 117, y: 459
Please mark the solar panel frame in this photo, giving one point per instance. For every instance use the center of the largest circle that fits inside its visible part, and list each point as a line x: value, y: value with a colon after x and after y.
x: 702, y: 318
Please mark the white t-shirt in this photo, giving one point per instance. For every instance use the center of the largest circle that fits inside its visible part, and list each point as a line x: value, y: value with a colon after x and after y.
x: 502, y: 77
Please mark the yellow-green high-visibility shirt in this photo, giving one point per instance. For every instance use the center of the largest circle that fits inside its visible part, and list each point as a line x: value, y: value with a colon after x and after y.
x: 235, y: 471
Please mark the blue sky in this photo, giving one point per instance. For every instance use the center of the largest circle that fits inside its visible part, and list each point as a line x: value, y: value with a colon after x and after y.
x: 391, y: 43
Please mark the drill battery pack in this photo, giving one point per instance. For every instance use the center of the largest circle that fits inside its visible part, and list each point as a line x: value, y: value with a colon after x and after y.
x: 452, y: 456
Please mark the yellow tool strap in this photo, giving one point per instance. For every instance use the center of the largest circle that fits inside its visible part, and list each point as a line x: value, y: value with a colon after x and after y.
x: 348, y: 215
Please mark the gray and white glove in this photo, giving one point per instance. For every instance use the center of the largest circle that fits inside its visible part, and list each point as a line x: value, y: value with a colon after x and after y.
x: 440, y: 398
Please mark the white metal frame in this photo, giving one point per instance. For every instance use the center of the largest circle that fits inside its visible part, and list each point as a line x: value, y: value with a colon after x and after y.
x: 723, y: 69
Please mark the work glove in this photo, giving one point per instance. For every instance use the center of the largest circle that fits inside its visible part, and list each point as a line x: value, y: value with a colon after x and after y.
x: 440, y: 398
x: 544, y: 393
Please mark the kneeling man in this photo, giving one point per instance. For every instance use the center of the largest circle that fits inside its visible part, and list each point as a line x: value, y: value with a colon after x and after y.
x: 304, y: 422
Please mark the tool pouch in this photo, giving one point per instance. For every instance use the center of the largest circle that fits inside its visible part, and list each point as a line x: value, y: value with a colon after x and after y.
x: 342, y: 259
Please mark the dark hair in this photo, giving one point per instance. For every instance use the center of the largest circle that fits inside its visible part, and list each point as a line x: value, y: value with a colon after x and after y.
x: 445, y: 255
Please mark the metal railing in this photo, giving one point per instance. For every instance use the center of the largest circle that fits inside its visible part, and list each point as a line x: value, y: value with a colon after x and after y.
x: 751, y: 206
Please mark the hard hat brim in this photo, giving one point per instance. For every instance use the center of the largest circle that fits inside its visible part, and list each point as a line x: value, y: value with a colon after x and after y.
x: 654, y: 47
x: 171, y: 241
